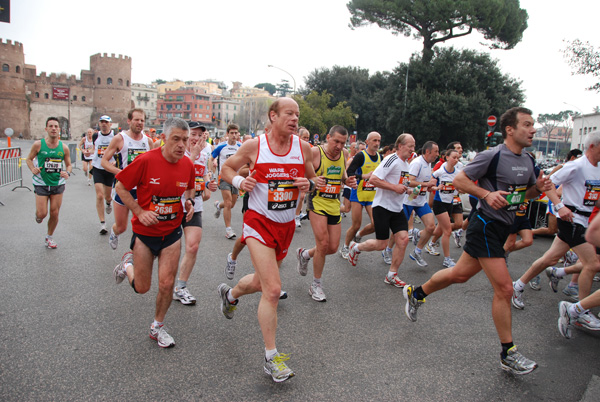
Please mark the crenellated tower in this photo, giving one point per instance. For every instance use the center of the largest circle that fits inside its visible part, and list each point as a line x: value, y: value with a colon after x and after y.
x: 14, y: 102
x: 111, y: 77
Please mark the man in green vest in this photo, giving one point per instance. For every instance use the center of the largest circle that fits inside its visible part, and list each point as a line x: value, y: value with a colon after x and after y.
x: 50, y: 162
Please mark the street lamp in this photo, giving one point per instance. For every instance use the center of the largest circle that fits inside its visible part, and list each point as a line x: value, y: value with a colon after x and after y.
x: 293, y: 79
x: 582, y: 123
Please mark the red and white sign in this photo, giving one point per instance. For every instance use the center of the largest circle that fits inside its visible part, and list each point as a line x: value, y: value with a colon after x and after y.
x: 9, y: 153
x: 491, y: 121
x: 60, y: 93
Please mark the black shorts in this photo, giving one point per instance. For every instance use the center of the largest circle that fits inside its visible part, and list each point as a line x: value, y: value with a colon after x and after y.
x: 571, y: 233
x: 347, y: 192
x: 485, y: 237
x: 457, y: 209
x: 47, y: 191
x: 384, y: 220
x: 331, y: 219
x: 156, y: 244
x: 245, y: 200
x: 102, y: 176
x: 195, y: 221
x: 520, y: 223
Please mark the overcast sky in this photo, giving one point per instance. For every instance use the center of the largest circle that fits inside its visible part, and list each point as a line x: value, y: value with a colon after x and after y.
x: 235, y: 40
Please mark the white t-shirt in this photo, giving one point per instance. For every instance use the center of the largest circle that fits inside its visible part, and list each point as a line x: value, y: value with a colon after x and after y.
x: 200, y: 169
x: 393, y: 170
x: 581, y: 186
x: 446, y: 192
x: 223, y: 151
x: 421, y: 169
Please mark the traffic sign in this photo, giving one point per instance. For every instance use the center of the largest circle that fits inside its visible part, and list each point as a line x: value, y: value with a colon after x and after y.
x: 491, y: 121
x: 316, y: 137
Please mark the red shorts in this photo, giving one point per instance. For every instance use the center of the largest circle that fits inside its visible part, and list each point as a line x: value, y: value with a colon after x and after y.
x: 275, y: 235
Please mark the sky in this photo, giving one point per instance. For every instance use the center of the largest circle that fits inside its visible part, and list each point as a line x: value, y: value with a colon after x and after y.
x: 236, y: 40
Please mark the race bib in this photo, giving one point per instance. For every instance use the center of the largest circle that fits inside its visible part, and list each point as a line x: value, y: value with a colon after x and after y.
x: 167, y: 208
x: 133, y: 153
x: 332, y: 188
x: 404, y: 178
x: 368, y: 186
x: 456, y: 200
x: 592, y: 191
x: 516, y: 197
x: 53, y: 165
x: 200, y: 183
x: 282, y: 195
x: 100, y: 150
x: 446, y: 187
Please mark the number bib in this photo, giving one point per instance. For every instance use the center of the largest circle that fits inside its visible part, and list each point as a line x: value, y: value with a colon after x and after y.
x: 332, y: 188
x: 368, y: 186
x: 100, y: 150
x: 446, y: 187
x: 516, y: 197
x: 592, y: 191
x: 282, y: 195
x: 133, y: 153
x: 53, y: 165
x: 404, y: 178
x: 456, y: 200
x: 167, y: 208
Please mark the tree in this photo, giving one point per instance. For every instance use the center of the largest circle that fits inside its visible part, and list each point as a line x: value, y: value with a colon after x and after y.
x: 253, y: 114
x: 159, y: 81
x: 585, y: 59
x: 270, y: 88
x: 501, y: 22
x: 317, y: 115
x: 551, y: 121
x: 284, y: 88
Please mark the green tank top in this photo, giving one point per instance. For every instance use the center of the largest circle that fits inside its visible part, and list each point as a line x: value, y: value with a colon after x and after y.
x: 50, y: 162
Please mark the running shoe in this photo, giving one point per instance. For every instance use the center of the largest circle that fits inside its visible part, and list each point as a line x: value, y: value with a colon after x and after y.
x: 120, y: 272
x: 416, y: 236
x: 417, y: 220
x: 113, y: 240
x: 297, y: 220
x: 597, y: 278
x: 162, y: 337
x: 108, y: 208
x: 229, y: 233
x: 344, y: 252
x: 565, y: 321
x: 588, y: 321
x: 184, y: 296
x: 457, y: 235
x: 353, y: 254
x: 283, y: 295
x: 302, y: 266
x: 410, y: 234
x: 227, y: 307
x: 516, y: 363
x: 387, y: 256
x: 552, y: 278
x: 51, y: 244
x: 418, y: 258
x: 357, y: 237
x: 412, y: 303
x: 535, y: 283
x: 394, y: 281
x: 316, y: 293
x: 303, y: 216
x: 277, y: 368
x: 103, y: 230
x: 89, y: 182
x: 448, y: 262
x: 432, y: 249
x: 38, y: 220
x: 218, y: 210
x: 572, y: 291
x: 230, y: 267
x: 517, y: 298
x: 570, y: 258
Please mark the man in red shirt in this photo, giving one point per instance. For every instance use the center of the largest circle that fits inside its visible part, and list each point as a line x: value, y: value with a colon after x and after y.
x: 162, y: 177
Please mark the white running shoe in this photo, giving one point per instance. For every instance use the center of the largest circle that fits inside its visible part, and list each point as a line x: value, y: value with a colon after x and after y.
x: 51, y: 244
x: 387, y: 256
x: 432, y: 249
x: 103, y: 230
x: 120, y: 272
x: 230, y: 267
x: 113, y: 240
x: 302, y: 266
x: 418, y: 258
x: 457, y: 235
x: 162, y: 337
x: 218, y: 211
x: 108, y: 208
x: 297, y: 220
x: 229, y: 233
x: 316, y: 293
x: 448, y: 262
x: 184, y: 296
x: 344, y: 252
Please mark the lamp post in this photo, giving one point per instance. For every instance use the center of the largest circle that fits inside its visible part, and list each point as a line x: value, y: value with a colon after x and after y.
x: 582, y: 123
x: 293, y: 79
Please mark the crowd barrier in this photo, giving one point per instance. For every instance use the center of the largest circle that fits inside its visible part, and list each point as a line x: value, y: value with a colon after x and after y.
x: 11, y: 169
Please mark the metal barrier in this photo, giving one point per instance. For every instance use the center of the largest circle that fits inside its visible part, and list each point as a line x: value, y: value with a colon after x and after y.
x: 73, y: 151
x: 11, y: 169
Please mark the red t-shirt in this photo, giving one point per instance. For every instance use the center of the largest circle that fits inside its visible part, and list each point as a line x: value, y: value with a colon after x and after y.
x: 160, y: 186
x: 438, y: 165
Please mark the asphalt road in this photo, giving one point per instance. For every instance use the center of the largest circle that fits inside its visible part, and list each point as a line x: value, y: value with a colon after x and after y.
x: 69, y: 333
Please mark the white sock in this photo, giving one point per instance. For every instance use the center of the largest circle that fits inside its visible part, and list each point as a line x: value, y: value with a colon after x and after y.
x: 230, y: 297
x: 156, y: 324
x: 305, y: 255
x: 560, y: 272
x: 418, y: 250
x: 317, y: 281
x: 270, y: 353
x: 576, y: 310
x: 391, y: 274
x: 519, y: 285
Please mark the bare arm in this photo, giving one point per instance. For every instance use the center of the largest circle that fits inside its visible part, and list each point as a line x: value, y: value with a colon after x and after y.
x: 379, y: 183
x: 147, y: 218
x: 115, y: 146
x: 495, y: 199
x: 35, y: 149
x: 68, y: 167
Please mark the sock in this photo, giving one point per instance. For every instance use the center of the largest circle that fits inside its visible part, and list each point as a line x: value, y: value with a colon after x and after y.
x: 269, y: 354
x: 228, y: 227
x: 230, y: 258
x: 317, y: 281
x: 297, y: 216
x: 573, y: 284
x: 180, y: 284
x: 388, y: 250
x: 391, y: 274
x: 102, y: 222
x: 358, y: 234
x: 305, y: 254
x: 420, y: 294
x: 356, y: 248
x: 505, y: 348
x: 519, y: 285
x: 560, y: 272
x: 230, y: 297
x: 418, y: 250
x: 576, y: 310
x: 156, y: 324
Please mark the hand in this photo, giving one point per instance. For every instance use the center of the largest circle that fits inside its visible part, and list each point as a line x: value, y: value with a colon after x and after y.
x: 543, y: 183
x: 302, y: 184
x: 351, y: 182
x: 212, y: 186
x: 148, y: 218
x: 249, y: 182
x: 400, y: 189
x: 319, y: 182
x: 496, y: 199
x: 36, y: 171
x: 189, y: 208
x: 565, y: 214
x: 64, y: 174
x: 430, y: 183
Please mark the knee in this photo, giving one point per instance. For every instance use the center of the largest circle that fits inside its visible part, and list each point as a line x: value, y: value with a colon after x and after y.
x: 140, y: 288
x: 165, y: 285
x: 504, y: 291
x: 331, y: 249
x: 54, y: 213
x: 323, y: 246
x: 430, y: 227
x: 192, y: 248
x: 447, y: 231
x: 381, y: 245
x: 272, y: 293
x: 527, y: 242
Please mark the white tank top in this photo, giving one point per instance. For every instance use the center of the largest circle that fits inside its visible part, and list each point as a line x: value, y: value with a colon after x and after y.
x: 132, y: 148
x: 275, y: 196
x: 101, y: 144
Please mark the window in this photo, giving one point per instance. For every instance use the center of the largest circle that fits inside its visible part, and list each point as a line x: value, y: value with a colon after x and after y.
x: 83, y: 98
x: 99, y: 81
x: 18, y: 69
x: 37, y: 94
x: 127, y: 82
x: 235, y: 108
x: 209, y: 117
x: 188, y: 106
x: 199, y: 106
x: 5, y: 68
x: 120, y: 82
x: 74, y: 97
x: 177, y: 114
x: 46, y: 96
x: 109, y: 81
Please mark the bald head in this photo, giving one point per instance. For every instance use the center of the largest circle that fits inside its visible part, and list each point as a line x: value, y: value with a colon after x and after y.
x: 373, y: 141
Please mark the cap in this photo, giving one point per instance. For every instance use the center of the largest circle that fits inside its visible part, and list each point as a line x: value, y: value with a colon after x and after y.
x: 196, y: 124
x: 105, y: 118
x: 152, y: 130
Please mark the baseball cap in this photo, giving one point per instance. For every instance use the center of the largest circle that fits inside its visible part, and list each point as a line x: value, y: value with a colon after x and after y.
x: 196, y: 124
x: 105, y: 118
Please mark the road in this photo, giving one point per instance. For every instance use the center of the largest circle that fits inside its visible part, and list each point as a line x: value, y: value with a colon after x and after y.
x: 69, y: 333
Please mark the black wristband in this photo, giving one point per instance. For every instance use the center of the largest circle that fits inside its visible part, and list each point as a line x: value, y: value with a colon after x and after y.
x: 311, y: 185
x: 192, y: 201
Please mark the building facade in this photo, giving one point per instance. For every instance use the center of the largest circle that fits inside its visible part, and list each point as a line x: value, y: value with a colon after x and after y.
x: 188, y: 103
x: 582, y: 126
x: 145, y: 96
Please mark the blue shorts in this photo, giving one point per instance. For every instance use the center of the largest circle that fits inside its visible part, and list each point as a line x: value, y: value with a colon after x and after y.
x: 354, y: 198
x: 422, y: 210
x: 118, y: 199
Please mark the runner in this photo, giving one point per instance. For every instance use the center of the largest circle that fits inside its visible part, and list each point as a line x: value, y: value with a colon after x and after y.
x: 45, y: 160
x: 278, y: 170
x: 391, y: 179
x: 103, y: 180
x: 362, y: 167
x: 86, y: 147
x: 230, y: 194
x: 324, y: 207
x: 505, y: 178
x: 304, y: 135
x: 161, y: 176
x: 127, y: 145
x: 198, y: 151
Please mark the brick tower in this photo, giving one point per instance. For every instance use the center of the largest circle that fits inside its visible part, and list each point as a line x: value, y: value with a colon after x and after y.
x: 112, y: 87
x: 13, y: 100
